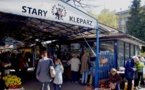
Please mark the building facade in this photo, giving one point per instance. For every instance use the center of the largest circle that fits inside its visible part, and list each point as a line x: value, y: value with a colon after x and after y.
x: 123, y: 17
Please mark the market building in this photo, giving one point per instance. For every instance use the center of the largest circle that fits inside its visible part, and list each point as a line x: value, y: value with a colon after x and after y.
x: 69, y: 30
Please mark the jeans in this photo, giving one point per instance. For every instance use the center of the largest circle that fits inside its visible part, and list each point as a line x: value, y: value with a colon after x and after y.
x: 45, y: 86
x: 129, y: 87
x: 117, y: 87
x: 85, y: 77
x: 140, y: 75
x: 55, y: 87
x: 74, y: 76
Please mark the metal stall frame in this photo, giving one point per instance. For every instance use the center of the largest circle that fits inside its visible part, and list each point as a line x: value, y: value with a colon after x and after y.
x: 18, y: 8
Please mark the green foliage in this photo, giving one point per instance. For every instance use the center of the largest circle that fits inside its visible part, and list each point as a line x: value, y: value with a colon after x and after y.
x: 136, y: 21
x: 142, y: 49
x: 108, y: 18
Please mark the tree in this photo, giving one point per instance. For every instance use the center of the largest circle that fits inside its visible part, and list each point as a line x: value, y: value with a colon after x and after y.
x: 107, y: 17
x: 82, y: 4
x: 135, y: 24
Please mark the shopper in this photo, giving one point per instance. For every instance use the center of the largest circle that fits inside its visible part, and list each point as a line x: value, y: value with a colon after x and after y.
x: 43, y: 71
x: 58, y: 80
x: 75, y: 64
x: 139, y: 73
x: 21, y: 71
x: 114, y: 79
x: 129, y: 71
x: 142, y: 60
x: 85, y: 67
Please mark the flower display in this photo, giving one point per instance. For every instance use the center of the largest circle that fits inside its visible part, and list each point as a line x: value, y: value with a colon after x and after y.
x: 12, y: 81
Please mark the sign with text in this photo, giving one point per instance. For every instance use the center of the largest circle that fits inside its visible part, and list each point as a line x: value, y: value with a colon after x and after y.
x: 54, y: 10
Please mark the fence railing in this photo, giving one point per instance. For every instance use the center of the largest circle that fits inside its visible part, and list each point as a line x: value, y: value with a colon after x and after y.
x: 105, y: 68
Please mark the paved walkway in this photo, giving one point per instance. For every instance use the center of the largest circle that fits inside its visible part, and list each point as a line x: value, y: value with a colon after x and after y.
x: 33, y: 84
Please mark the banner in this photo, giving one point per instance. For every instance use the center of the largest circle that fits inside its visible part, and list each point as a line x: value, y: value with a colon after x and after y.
x: 54, y: 10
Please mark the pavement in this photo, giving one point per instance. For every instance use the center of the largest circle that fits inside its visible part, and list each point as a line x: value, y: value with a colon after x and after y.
x: 35, y: 85
x: 31, y: 83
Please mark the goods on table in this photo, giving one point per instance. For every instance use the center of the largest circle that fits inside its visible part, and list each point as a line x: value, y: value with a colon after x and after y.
x: 12, y: 81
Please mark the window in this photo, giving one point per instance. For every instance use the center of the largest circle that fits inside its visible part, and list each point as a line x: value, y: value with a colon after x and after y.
x: 127, y: 53
x: 107, y: 46
x: 136, y: 50
x: 125, y: 20
x: 132, y: 50
x: 120, y: 53
x: 120, y: 22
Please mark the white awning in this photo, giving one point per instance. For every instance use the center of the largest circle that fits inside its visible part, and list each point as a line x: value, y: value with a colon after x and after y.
x: 53, y: 10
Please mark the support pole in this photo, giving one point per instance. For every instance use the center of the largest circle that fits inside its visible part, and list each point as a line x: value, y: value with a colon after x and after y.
x: 97, y: 60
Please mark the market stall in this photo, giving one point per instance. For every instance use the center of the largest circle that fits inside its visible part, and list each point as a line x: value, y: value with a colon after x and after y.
x: 46, y: 20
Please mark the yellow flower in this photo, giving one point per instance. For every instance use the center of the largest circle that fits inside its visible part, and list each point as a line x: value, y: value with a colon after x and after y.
x: 11, y: 80
x: 0, y: 73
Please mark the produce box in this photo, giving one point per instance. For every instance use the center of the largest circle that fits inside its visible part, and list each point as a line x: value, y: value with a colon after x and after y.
x: 16, y: 89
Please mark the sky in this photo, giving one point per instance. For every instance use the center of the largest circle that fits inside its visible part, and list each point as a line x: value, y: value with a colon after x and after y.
x: 118, y: 5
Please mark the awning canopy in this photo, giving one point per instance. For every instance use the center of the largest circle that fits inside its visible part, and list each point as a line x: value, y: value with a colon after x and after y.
x: 53, y: 10
x: 27, y: 20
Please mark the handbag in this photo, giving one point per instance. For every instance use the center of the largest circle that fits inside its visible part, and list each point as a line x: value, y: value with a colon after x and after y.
x: 88, y: 87
x: 52, y: 71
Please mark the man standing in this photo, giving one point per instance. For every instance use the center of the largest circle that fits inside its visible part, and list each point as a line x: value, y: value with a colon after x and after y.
x: 129, y: 71
x: 75, y: 63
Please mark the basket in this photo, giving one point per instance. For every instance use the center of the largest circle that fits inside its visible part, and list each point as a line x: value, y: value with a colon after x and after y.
x: 88, y: 87
x: 102, y: 89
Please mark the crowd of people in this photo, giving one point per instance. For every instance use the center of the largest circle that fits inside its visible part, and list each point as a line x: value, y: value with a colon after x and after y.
x: 44, y: 76
x: 133, y: 72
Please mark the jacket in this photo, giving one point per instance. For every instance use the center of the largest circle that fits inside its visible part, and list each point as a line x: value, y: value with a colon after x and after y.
x: 115, y: 79
x: 43, y: 70
x: 84, y: 65
x: 129, y: 72
x: 139, y: 65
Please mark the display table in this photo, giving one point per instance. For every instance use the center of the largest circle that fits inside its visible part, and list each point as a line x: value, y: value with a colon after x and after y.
x: 16, y: 89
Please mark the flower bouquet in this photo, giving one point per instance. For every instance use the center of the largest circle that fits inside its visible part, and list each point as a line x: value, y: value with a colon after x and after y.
x: 6, y: 66
x: 12, y: 81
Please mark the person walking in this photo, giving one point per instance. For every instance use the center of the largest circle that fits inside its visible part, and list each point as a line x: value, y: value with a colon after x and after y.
x: 43, y: 71
x: 58, y: 80
x: 139, y: 73
x: 75, y: 65
x: 85, y: 67
x: 129, y: 71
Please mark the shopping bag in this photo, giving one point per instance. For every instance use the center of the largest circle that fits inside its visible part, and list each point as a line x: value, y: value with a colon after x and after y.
x: 52, y: 71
